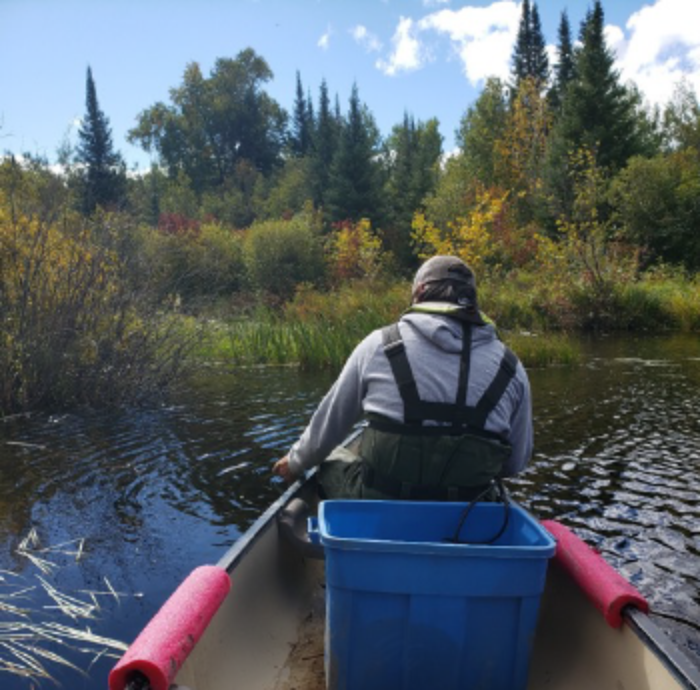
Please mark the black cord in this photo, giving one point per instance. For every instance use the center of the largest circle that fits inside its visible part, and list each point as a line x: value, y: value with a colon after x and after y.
x: 503, y: 496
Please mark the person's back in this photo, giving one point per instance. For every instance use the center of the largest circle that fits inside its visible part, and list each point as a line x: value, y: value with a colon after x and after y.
x: 448, y: 405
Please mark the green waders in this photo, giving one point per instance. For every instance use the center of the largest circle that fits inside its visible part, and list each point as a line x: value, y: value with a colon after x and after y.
x: 456, y: 460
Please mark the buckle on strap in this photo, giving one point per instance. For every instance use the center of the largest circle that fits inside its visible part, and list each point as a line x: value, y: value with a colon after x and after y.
x: 393, y: 348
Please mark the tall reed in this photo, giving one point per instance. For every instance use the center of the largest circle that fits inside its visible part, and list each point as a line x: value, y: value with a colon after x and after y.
x: 319, y: 330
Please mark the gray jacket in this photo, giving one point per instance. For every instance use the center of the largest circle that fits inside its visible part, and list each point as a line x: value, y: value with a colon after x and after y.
x: 433, y: 346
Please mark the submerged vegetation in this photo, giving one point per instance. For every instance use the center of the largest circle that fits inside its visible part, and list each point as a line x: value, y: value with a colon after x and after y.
x: 287, y: 241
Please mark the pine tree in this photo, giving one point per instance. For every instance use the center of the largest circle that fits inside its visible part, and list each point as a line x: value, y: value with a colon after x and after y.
x: 302, y: 125
x: 539, y: 61
x: 598, y: 111
x: 564, y: 71
x: 324, y: 146
x: 103, y: 171
x: 354, y: 190
x: 530, y: 52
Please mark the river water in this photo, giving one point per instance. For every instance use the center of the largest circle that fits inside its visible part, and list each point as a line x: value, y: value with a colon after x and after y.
x: 140, y: 498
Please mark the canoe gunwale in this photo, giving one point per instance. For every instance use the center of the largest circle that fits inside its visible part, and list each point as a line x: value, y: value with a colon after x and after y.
x: 663, y: 647
x: 248, y: 539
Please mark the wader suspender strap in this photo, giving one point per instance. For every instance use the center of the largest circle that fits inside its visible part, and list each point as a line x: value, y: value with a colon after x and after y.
x: 395, y: 351
x: 417, y: 410
x: 464, y: 364
x: 498, y: 386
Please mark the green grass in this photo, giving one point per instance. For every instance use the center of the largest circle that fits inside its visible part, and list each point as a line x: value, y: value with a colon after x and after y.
x: 550, y: 349
x: 319, y: 330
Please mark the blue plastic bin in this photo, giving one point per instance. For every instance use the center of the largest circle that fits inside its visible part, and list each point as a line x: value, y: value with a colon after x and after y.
x: 408, y: 611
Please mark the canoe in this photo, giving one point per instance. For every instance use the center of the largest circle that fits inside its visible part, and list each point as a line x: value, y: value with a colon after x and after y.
x: 256, y: 621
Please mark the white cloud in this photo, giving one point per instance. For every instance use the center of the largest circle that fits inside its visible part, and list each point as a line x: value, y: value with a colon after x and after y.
x: 408, y: 54
x: 435, y: 3
x: 662, y: 47
x: 325, y: 40
x: 366, y: 39
x: 658, y: 47
x: 615, y: 39
x: 482, y: 38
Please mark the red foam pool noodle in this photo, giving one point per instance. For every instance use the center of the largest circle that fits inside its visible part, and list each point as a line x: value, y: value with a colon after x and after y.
x: 164, y: 644
x: 601, y: 583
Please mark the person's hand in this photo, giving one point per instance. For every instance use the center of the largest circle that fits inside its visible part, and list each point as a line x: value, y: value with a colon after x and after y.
x: 281, y: 469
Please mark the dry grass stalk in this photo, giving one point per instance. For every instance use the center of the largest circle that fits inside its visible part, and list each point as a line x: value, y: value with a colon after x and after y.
x: 75, y: 608
x: 23, y: 643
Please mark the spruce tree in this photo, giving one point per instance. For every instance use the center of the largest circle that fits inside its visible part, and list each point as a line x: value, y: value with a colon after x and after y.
x: 400, y: 194
x: 530, y: 53
x: 598, y: 111
x: 539, y: 61
x: 103, y: 171
x: 302, y: 124
x: 310, y: 123
x: 324, y: 145
x: 564, y: 71
x: 412, y: 155
x: 354, y: 190
x: 521, y: 52
x: 481, y: 127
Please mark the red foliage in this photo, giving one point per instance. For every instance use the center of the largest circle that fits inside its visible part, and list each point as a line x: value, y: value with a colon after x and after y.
x: 178, y: 224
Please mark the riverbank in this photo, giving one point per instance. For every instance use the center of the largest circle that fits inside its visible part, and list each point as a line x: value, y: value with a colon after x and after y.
x: 542, y: 322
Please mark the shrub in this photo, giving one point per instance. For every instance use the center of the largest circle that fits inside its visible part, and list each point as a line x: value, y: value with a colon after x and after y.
x: 280, y: 254
x: 354, y: 251
x: 73, y: 330
x: 189, y: 266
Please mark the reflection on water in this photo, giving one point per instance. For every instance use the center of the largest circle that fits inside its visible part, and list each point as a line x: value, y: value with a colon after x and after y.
x: 155, y: 493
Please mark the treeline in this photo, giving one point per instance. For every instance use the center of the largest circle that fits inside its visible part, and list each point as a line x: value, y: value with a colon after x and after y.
x: 578, y: 207
x: 228, y: 153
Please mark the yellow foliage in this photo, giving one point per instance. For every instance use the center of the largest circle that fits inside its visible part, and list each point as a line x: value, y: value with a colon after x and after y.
x: 519, y: 153
x: 62, y: 308
x: 584, y: 249
x: 469, y: 237
x: 354, y: 251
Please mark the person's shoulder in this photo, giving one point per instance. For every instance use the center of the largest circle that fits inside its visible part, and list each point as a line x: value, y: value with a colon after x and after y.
x: 372, y: 342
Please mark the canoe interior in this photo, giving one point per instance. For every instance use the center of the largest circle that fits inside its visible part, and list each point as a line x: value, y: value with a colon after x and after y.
x: 269, y: 633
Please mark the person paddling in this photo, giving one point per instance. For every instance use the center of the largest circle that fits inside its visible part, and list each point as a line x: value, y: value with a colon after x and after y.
x: 448, y: 405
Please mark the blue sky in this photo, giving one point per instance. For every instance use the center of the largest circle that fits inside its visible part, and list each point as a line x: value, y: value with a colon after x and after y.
x: 426, y: 57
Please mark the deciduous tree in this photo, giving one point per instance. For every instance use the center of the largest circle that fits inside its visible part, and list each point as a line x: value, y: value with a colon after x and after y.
x: 214, y: 124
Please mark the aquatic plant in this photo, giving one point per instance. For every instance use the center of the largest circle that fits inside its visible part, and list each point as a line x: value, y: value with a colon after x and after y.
x: 319, y: 330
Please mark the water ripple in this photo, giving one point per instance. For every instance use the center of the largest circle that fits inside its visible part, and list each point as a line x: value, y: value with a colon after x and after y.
x: 156, y: 492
